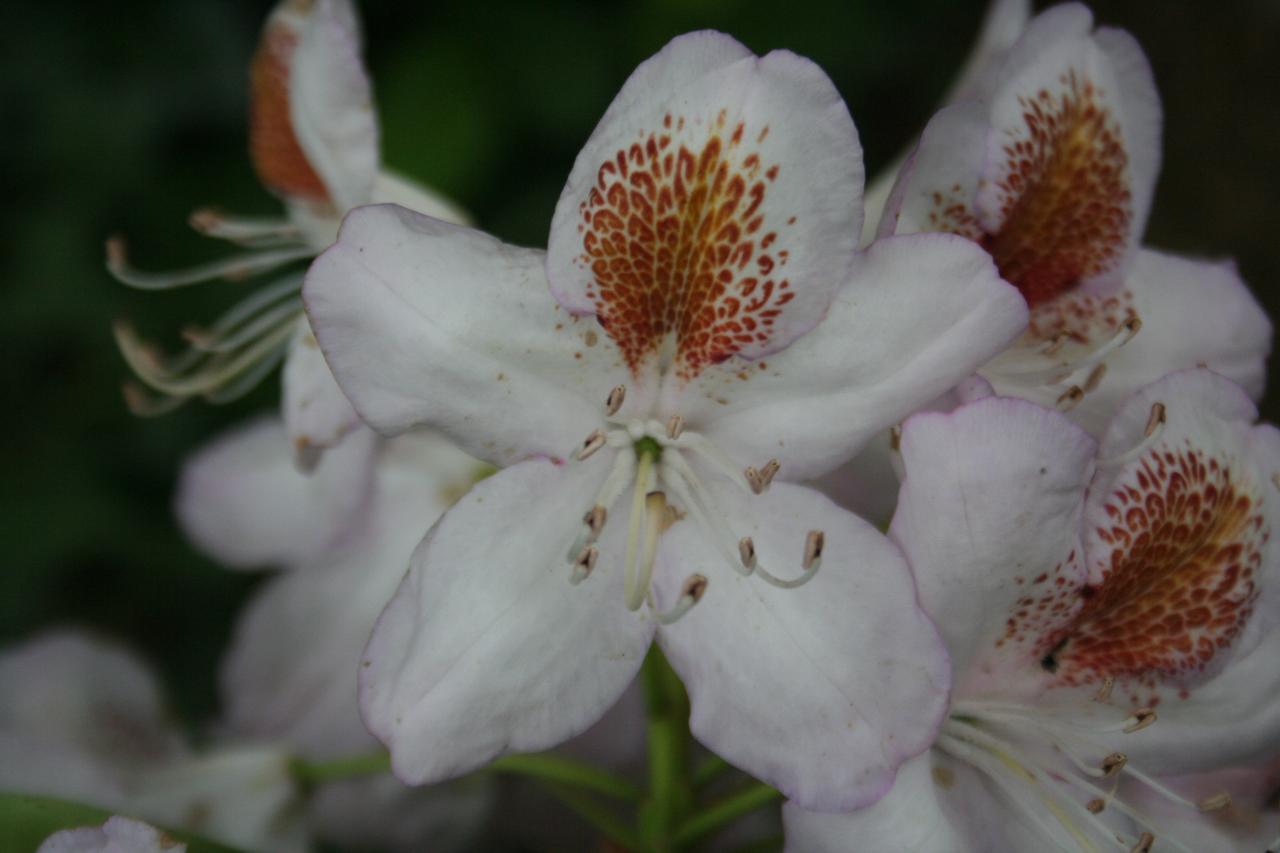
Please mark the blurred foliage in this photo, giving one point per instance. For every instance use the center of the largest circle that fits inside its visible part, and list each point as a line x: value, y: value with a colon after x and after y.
x: 123, y: 117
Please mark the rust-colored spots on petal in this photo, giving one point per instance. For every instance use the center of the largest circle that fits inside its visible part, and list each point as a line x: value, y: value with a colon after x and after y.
x: 1186, y: 540
x: 1062, y: 196
x: 673, y: 233
x: 277, y: 157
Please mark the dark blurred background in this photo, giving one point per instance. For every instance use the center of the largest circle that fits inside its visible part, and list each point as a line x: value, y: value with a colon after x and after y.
x: 124, y: 116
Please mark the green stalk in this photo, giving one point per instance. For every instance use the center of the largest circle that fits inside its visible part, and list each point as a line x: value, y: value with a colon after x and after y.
x: 557, y: 769
x: 724, y: 812
x: 309, y: 773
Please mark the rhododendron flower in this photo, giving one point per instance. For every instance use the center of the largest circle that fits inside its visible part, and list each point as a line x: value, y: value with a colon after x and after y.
x: 1108, y: 610
x: 83, y: 720
x: 700, y: 325
x: 314, y: 143
x: 1052, y: 169
x: 343, y: 535
x: 116, y: 835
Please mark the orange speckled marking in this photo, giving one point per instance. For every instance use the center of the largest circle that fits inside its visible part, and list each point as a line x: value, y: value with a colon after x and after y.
x: 1082, y: 318
x: 277, y: 157
x: 1186, y: 540
x: 674, y: 239
x: 1064, y: 198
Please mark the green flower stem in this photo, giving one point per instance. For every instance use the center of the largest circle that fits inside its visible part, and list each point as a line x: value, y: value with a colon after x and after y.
x: 310, y: 773
x: 600, y: 817
x: 709, y: 771
x: 670, y: 795
x: 724, y: 812
x: 557, y: 769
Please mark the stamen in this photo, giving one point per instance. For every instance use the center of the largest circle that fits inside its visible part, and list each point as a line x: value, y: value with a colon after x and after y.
x: 1095, y: 378
x: 1151, y: 434
x: 241, y: 229
x: 675, y: 426
x: 615, y: 399
x: 594, y: 520
x: 1140, y: 720
x: 760, y: 480
x: 1104, y: 692
x: 584, y: 564
x: 1216, y: 802
x: 174, y: 379
x: 591, y: 444
x: 610, y: 491
x: 747, y: 553
x: 144, y: 405
x: 678, y: 477
x: 1096, y: 805
x: 212, y: 341
x: 1113, y: 764
x: 895, y: 438
x: 1060, y: 371
x: 704, y: 447
x: 1069, y: 398
x: 690, y: 594
x: 234, y: 268
x: 811, y: 562
x: 1145, y: 842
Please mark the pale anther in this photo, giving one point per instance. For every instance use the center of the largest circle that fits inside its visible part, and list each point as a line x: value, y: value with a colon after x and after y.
x: 1096, y: 805
x: 690, y: 594
x: 583, y: 565
x: 1145, y: 842
x: 1113, y: 764
x: 1275, y: 479
x: 675, y: 426
x: 1095, y: 378
x: 1140, y: 720
x: 759, y: 480
x: 747, y: 552
x: 593, y: 442
x: 1069, y: 398
x: 1104, y: 692
x: 1155, y: 420
x: 1217, y: 801
x: 594, y: 520
x: 813, y: 544
x: 895, y: 438
x: 613, y: 402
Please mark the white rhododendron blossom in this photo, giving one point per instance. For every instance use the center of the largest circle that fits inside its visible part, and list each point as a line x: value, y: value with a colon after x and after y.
x: 81, y: 719
x: 314, y: 143
x: 1051, y: 167
x: 701, y: 324
x: 116, y: 835
x: 1108, y: 609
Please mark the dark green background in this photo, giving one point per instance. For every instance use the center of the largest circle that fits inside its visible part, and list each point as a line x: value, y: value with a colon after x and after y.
x: 124, y: 116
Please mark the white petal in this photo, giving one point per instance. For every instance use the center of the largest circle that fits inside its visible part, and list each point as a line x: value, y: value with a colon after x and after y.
x: 936, y: 805
x: 242, y: 500
x: 1194, y: 313
x: 286, y: 680
x: 426, y: 323
x: 317, y: 414
x: 486, y: 648
x: 989, y: 519
x: 823, y: 690
x: 331, y: 105
x: 242, y: 796
x: 117, y: 835
x: 705, y: 129
x: 918, y: 315
x: 393, y: 188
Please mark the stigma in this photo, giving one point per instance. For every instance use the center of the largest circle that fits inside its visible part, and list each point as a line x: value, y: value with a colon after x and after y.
x: 653, y: 461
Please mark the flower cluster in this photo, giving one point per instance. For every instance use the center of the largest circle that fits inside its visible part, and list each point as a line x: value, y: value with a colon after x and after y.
x: 659, y: 429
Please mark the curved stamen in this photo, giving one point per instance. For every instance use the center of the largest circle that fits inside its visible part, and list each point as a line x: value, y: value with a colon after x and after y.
x: 682, y: 480
x: 690, y: 594
x: 1060, y: 370
x: 234, y: 267
x: 610, y: 490
x: 1151, y: 434
x: 704, y: 447
x: 810, y: 564
x: 214, y: 342
x: 241, y: 229
x: 584, y: 564
x: 615, y: 399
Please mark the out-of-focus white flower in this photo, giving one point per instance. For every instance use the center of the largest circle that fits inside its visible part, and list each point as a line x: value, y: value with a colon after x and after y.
x: 1051, y: 168
x: 701, y: 311
x: 82, y: 719
x: 1109, y: 611
x: 116, y: 835
x: 314, y: 143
